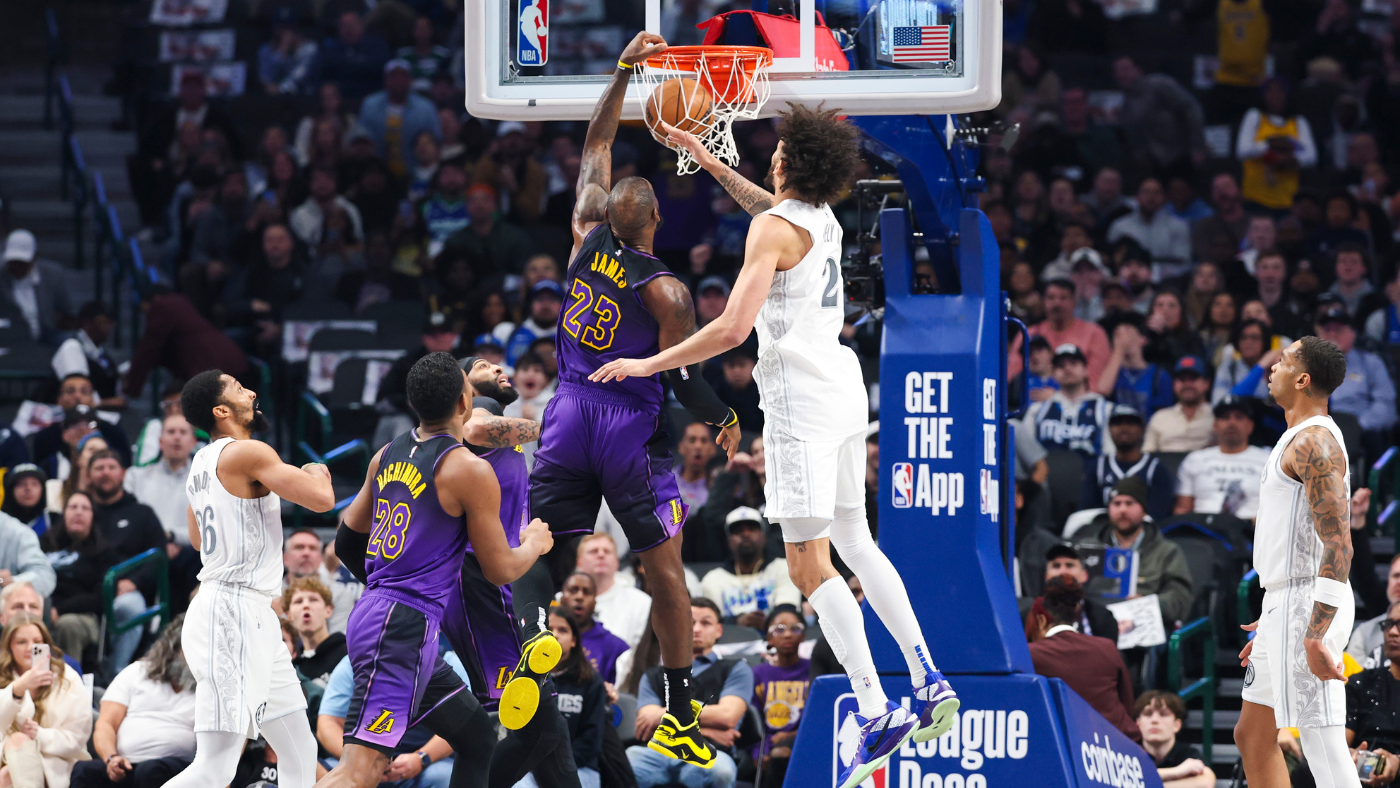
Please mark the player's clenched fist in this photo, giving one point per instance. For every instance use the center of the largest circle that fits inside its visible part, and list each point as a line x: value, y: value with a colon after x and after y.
x: 642, y: 46
x: 538, y: 536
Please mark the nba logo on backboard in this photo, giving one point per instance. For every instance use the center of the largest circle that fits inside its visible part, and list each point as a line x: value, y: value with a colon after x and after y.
x: 534, y: 33
x: 903, y: 485
x: 848, y: 741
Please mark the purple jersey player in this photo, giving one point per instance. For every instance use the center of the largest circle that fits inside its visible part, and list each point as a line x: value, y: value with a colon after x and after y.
x: 407, y: 532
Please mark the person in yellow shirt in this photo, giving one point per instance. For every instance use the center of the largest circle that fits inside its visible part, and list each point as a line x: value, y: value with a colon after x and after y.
x: 1274, y: 144
x: 1243, y: 51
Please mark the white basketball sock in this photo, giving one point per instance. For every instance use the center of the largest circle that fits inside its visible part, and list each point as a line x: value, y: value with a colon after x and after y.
x: 850, y: 535
x: 215, y: 761
x: 844, y: 627
x: 1328, y: 757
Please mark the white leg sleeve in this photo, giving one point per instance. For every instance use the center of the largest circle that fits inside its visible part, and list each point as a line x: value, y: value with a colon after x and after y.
x: 850, y: 535
x: 844, y: 627
x: 290, y: 737
x: 1328, y: 757
x: 215, y: 760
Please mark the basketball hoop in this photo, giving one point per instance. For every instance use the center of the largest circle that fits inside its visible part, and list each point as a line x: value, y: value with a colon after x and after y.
x: 736, y: 79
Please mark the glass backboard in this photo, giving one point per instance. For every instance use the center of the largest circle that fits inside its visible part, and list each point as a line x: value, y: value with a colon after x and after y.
x: 550, y: 59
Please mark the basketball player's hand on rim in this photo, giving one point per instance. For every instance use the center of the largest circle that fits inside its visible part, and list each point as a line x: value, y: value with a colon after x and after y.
x: 537, y: 537
x: 642, y: 46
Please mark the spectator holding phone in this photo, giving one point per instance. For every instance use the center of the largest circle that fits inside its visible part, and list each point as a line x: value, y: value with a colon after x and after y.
x: 45, y: 711
x: 1373, y: 705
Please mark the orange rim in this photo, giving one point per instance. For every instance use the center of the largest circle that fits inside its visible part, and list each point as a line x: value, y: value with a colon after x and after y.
x: 720, y: 63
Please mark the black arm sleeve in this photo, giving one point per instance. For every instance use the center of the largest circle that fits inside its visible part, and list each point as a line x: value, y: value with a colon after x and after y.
x: 696, y: 396
x: 350, y: 547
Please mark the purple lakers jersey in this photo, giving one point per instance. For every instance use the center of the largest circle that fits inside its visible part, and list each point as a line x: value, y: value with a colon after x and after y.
x: 512, y: 474
x: 604, y: 318
x: 415, y: 547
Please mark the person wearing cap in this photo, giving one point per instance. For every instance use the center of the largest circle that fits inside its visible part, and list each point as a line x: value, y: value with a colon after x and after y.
x: 494, y: 245
x: 1125, y: 428
x: 1185, y: 426
x: 489, y: 347
x: 1224, y: 478
x: 440, y: 335
x: 711, y: 297
x: 1075, y: 236
x: 737, y: 388
x: 24, y: 496
x: 37, y: 287
x: 509, y: 166
x: 395, y: 116
x: 749, y: 584
x: 286, y: 63
x: 354, y: 58
x: 1073, y: 418
x: 1130, y: 379
x: 1162, y: 568
x: 1367, y: 392
x: 1061, y: 327
x: 545, y: 299
x: 1095, y: 618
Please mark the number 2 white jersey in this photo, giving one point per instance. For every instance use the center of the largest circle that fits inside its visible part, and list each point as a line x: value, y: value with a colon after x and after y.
x: 240, y: 538
x: 810, y: 385
x: 1286, y: 544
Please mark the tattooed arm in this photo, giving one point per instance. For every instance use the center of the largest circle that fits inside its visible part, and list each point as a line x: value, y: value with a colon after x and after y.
x: 1316, y: 460
x: 489, y: 430
x: 748, y: 194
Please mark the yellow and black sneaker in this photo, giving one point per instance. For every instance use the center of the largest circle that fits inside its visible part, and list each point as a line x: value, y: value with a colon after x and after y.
x: 683, y: 743
x: 521, y: 696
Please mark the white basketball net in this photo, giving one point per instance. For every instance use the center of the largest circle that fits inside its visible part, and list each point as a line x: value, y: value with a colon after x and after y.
x: 737, y: 79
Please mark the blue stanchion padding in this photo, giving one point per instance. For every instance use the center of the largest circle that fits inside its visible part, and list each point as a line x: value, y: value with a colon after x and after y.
x: 1100, y: 753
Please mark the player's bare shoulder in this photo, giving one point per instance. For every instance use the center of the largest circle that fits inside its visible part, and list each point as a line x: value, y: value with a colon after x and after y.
x: 775, y: 235
x: 239, y: 463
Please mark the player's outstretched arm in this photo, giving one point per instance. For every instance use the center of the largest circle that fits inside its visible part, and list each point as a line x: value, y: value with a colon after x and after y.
x: 769, y: 237
x: 669, y: 301
x: 1316, y: 460
x: 487, y: 429
x: 474, y: 484
x: 595, y: 169
x: 750, y: 196
x: 308, y: 486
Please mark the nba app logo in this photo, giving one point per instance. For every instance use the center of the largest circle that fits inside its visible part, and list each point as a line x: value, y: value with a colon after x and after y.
x: 534, y: 33
x: 903, y: 485
x: 848, y: 742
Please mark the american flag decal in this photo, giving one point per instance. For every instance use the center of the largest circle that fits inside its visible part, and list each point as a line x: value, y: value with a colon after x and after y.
x: 928, y: 44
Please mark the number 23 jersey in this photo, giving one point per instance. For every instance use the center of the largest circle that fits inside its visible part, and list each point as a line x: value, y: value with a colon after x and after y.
x: 240, y: 538
x: 810, y: 385
x: 604, y: 317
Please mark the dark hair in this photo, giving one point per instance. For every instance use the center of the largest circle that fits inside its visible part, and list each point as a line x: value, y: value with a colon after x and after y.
x: 1170, y: 701
x: 1324, y: 363
x: 57, y: 538
x: 1063, y: 598
x: 1064, y: 284
x: 1353, y: 248
x: 581, y: 573
x: 300, y: 531
x: 530, y: 359
x: 1239, y: 332
x: 819, y: 152
x: 772, y: 614
x: 575, y: 668
x: 200, y: 396
x: 700, y: 601
x: 93, y: 309
x: 1344, y: 197
x: 104, y: 454
x: 434, y: 386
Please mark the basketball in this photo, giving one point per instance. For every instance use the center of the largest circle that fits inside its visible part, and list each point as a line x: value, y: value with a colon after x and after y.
x: 681, y: 103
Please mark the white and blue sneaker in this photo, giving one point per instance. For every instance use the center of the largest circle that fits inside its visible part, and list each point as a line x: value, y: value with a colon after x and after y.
x: 934, y: 705
x: 879, y: 739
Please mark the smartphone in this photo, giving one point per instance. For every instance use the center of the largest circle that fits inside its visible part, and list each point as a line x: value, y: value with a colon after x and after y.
x: 1367, y: 764
x: 39, y: 652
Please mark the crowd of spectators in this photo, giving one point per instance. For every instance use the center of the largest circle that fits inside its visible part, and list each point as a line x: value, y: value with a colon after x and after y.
x: 1164, y: 236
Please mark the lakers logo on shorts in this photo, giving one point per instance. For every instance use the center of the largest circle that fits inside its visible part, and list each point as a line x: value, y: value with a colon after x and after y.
x: 502, y: 677
x: 384, y: 723
x: 677, y: 513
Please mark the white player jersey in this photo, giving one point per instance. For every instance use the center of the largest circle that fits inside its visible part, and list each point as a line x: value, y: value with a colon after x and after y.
x: 240, y: 538
x: 1286, y: 544
x: 810, y: 385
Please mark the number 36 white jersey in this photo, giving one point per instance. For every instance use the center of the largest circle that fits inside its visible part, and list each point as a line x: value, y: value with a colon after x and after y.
x: 240, y: 538
x: 810, y: 385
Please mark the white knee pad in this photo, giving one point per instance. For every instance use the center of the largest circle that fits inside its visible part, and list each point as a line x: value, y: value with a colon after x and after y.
x: 804, y: 529
x: 1328, y: 757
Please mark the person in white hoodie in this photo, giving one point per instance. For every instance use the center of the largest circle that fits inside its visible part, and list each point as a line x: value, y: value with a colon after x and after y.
x: 45, y: 711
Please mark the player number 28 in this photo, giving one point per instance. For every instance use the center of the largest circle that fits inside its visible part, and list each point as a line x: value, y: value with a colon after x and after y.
x: 204, y: 523
x: 390, y: 529
x: 606, y: 316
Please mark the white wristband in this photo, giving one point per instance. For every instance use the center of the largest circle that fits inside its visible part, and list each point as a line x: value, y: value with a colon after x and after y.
x: 1332, y: 592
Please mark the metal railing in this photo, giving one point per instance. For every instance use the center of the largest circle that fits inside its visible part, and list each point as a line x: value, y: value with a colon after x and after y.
x: 161, y: 609
x: 1204, y: 687
x: 309, y: 408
